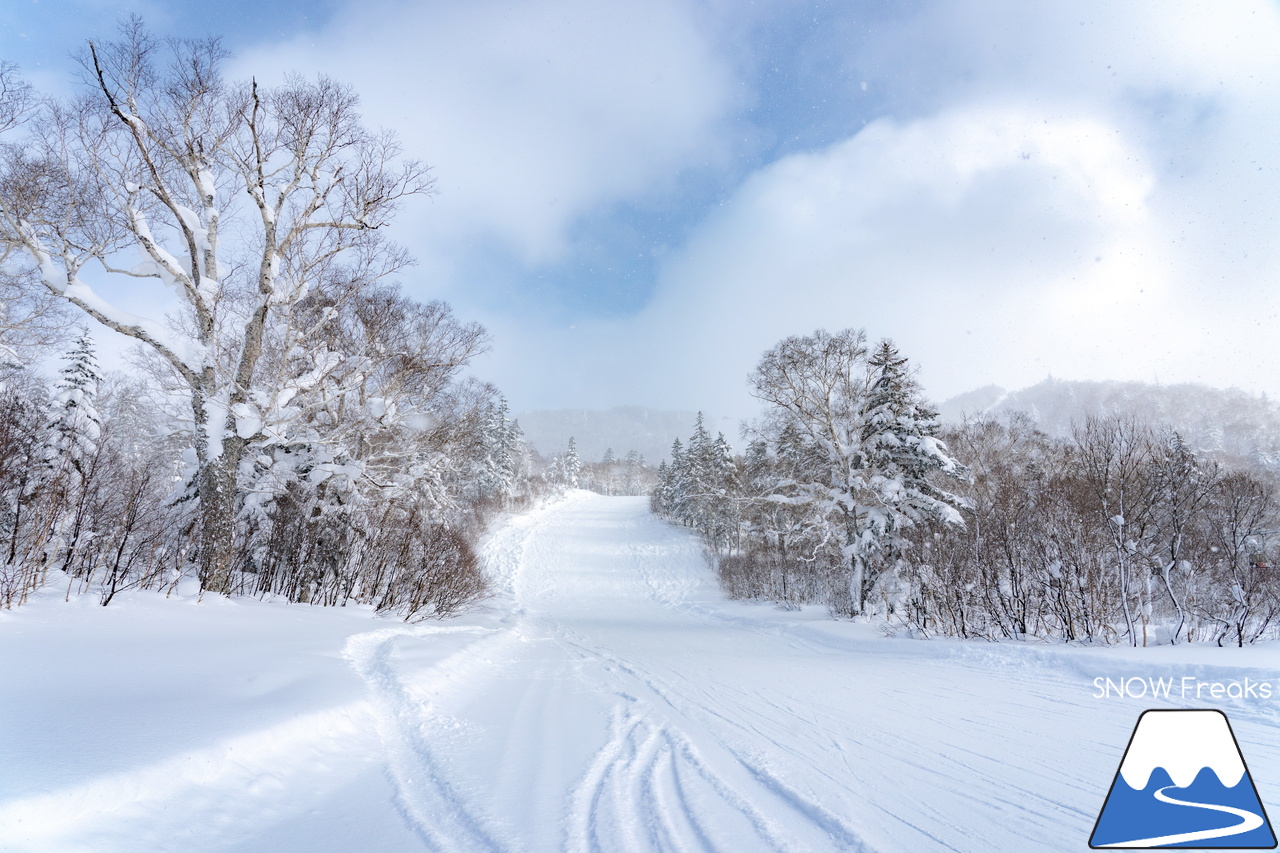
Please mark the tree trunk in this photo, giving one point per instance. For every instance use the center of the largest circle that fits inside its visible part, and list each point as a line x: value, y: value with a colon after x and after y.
x: 857, y: 592
x: 1168, y: 587
x: 217, y: 488
x: 1129, y: 628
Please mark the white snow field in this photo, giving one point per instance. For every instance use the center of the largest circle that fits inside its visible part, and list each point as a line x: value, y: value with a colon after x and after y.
x: 606, y: 699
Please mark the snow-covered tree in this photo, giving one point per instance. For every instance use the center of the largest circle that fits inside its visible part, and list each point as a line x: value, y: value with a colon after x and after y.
x: 572, y: 464
x: 1244, y: 600
x: 677, y: 485
x: 903, y: 454
x: 1115, y: 455
x: 500, y: 466
x: 721, y: 490
x: 1185, y: 484
x: 24, y: 413
x: 569, y: 466
x: 862, y: 416
x: 238, y: 199
x: 71, y: 453
x: 634, y: 473
x: 700, y: 487
x: 76, y: 425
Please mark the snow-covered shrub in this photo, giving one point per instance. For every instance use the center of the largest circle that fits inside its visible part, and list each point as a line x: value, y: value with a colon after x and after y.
x: 435, y: 573
x: 1121, y: 534
x: 762, y: 574
x: 23, y: 423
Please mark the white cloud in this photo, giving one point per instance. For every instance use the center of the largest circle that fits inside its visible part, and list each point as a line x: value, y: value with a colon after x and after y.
x: 1088, y: 190
x: 1096, y: 201
x: 952, y: 234
x: 532, y: 113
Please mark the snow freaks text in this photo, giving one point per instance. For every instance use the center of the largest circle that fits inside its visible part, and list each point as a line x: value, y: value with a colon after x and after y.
x: 1186, y: 687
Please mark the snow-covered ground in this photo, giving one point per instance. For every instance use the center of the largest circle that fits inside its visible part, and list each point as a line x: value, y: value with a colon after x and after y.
x: 606, y: 699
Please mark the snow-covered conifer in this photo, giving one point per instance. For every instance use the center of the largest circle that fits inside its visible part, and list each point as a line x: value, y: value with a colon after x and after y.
x: 679, y: 484
x: 660, y: 498
x: 497, y: 454
x: 633, y: 477
x: 571, y: 464
x: 903, y: 450
x: 861, y: 419
x: 76, y: 425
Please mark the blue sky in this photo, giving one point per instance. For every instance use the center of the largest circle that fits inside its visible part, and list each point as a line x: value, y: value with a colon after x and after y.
x: 638, y: 199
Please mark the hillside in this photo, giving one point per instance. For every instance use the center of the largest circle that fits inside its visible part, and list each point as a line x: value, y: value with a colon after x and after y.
x: 1228, y: 422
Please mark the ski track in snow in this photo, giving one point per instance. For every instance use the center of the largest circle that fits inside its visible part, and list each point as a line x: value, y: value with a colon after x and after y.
x: 434, y: 809
x: 609, y: 701
x: 661, y: 779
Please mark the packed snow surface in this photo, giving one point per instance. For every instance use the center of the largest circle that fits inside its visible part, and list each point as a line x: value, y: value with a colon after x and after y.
x: 606, y: 699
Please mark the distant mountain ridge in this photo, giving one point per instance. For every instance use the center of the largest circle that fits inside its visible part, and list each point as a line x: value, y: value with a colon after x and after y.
x: 1227, y: 422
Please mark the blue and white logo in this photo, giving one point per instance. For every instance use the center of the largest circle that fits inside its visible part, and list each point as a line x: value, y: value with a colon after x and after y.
x: 1183, y: 783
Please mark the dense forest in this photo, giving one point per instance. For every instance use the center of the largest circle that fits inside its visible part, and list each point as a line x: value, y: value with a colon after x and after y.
x: 851, y: 494
x: 297, y: 426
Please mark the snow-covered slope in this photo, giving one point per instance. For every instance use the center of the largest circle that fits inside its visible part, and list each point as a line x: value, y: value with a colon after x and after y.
x: 1236, y: 425
x: 608, y: 700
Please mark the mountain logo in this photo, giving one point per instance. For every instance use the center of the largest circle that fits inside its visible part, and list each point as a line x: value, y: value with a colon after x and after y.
x: 1182, y: 783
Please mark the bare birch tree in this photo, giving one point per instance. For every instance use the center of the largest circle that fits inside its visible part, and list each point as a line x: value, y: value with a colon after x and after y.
x: 236, y: 197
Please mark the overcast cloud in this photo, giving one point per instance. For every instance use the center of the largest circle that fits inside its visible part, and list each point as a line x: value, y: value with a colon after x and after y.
x: 533, y: 114
x: 1087, y: 201
x: 639, y: 198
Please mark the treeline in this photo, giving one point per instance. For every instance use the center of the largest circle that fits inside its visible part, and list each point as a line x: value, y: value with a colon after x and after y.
x: 630, y: 475
x: 850, y: 494
x: 296, y: 426
x: 1121, y: 533
x: 98, y: 492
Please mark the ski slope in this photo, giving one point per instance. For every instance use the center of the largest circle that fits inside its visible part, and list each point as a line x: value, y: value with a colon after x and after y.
x: 607, y: 699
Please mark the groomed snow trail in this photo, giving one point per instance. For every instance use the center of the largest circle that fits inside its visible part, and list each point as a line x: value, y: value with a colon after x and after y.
x: 607, y: 700
x: 625, y: 707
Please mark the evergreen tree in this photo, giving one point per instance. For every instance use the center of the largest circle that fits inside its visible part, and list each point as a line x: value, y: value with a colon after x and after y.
x: 606, y: 480
x: 900, y: 437
x: 872, y: 441
x: 700, y: 482
x: 571, y: 465
x: 700, y: 488
x: 633, y: 473
x: 76, y: 426
x: 497, y: 455
x: 903, y: 452
x: 660, y: 500
x: 521, y: 461
x: 678, y: 484
x: 722, y: 489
